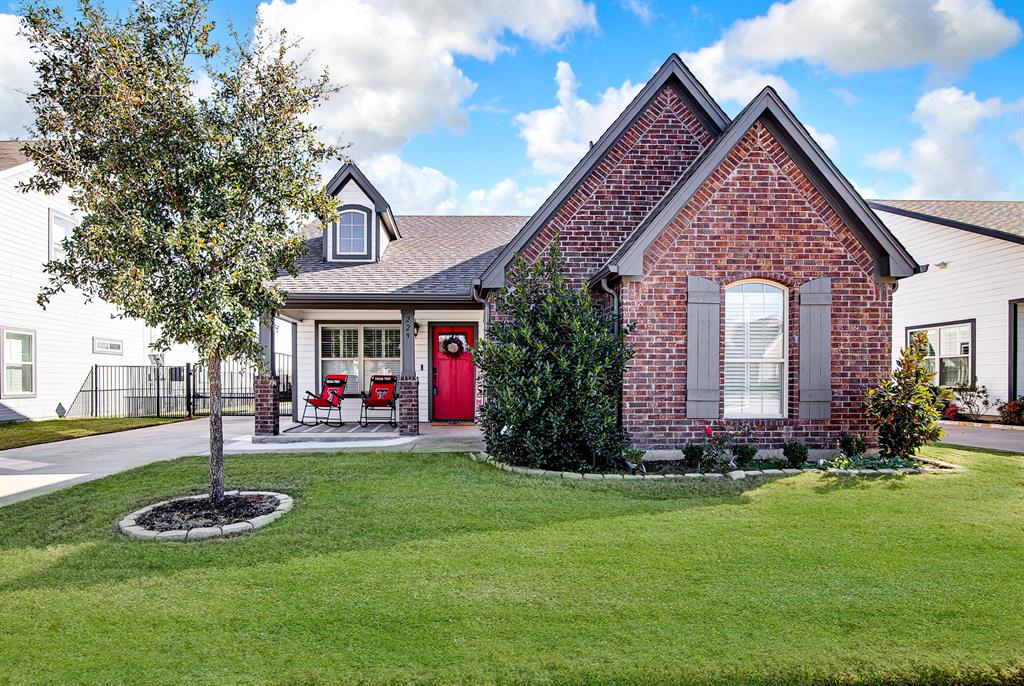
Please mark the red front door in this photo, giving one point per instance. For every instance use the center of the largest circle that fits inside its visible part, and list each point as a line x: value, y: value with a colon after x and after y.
x: 453, y: 373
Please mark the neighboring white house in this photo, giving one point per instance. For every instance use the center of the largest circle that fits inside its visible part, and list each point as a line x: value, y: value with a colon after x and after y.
x: 47, y: 354
x: 971, y: 299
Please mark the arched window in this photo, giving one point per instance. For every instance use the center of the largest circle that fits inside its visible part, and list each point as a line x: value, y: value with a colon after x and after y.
x: 755, y: 349
x: 351, y: 236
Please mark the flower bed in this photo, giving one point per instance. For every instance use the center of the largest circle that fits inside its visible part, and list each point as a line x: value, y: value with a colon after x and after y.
x: 193, y: 518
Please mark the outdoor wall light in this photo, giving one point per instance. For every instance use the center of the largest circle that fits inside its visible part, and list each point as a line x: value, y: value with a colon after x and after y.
x: 415, y: 329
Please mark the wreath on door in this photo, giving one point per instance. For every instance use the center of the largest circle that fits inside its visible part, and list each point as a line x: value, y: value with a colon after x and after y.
x: 453, y: 346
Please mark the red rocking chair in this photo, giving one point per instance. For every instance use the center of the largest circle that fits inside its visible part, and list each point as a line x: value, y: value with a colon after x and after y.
x: 329, y: 398
x: 382, y: 396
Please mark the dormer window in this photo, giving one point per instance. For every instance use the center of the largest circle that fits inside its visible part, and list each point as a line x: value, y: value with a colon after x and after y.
x: 350, y: 235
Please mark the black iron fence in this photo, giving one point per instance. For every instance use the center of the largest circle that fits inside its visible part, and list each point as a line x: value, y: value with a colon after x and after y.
x: 175, y: 391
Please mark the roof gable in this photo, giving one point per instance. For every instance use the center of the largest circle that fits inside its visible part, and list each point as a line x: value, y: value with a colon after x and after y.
x: 891, y: 258
x: 350, y: 172
x: 697, y: 100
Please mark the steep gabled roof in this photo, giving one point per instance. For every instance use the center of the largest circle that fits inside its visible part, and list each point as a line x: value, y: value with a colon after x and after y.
x: 349, y: 171
x: 891, y: 258
x: 1002, y: 219
x: 697, y: 99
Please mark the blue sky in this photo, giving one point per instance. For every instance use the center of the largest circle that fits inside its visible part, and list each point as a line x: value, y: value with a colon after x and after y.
x: 482, y: 107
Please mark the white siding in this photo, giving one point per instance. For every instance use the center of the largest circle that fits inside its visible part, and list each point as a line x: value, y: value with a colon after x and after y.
x: 306, y: 341
x: 64, y: 331
x: 982, y: 276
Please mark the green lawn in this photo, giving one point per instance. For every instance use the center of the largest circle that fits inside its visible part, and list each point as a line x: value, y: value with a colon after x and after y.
x: 432, y: 569
x: 18, y: 434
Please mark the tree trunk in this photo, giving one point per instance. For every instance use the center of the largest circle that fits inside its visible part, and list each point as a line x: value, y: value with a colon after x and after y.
x: 216, y: 431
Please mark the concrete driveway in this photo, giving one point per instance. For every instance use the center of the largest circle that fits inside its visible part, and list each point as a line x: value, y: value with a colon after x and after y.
x: 984, y: 437
x: 36, y: 469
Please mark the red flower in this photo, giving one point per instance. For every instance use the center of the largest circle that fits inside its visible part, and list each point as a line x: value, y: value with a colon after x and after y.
x: 708, y: 431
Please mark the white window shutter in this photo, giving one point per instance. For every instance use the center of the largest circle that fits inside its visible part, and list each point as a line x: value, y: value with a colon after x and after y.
x: 816, y: 349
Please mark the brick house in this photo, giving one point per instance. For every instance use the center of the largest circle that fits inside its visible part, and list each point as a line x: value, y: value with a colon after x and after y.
x: 758, y: 280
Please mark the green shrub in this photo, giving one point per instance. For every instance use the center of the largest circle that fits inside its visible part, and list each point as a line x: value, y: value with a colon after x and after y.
x: 852, y: 445
x: 744, y: 454
x: 693, y: 455
x: 552, y: 374
x: 904, y: 407
x: 795, y: 453
x: 843, y: 461
x: 971, y: 399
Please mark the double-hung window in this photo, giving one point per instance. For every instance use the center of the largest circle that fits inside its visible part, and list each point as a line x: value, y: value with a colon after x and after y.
x: 351, y: 235
x: 19, y: 355
x: 61, y: 227
x: 755, y: 350
x: 949, y: 352
x: 360, y: 352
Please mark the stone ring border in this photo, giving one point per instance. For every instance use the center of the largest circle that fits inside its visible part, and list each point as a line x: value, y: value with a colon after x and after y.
x: 130, y: 528
x: 930, y: 467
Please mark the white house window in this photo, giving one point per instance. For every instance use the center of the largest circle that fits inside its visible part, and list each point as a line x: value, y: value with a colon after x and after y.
x: 351, y: 236
x: 755, y: 350
x: 949, y: 352
x: 107, y: 346
x: 19, y: 352
x: 61, y: 227
x: 360, y: 351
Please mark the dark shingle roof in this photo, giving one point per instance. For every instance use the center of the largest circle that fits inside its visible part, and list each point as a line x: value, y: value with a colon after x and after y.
x: 11, y: 154
x: 436, y: 256
x: 1002, y: 215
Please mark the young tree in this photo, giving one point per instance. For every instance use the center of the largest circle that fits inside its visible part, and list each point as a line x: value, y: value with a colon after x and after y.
x: 552, y: 370
x: 905, y: 406
x: 189, y: 201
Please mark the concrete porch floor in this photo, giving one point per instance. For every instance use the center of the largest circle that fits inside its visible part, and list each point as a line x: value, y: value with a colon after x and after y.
x: 351, y: 436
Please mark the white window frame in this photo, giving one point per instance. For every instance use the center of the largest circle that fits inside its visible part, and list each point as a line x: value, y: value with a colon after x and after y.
x: 101, y: 346
x: 54, y: 241
x: 366, y: 234
x: 4, y: 330
x: 361, y: 358
x: 937, y: 346
x: 784, y: 360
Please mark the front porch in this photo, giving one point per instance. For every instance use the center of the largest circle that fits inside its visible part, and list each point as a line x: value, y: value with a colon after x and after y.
x: 425, y: 344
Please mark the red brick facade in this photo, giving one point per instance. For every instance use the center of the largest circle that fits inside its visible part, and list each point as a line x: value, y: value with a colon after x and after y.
x: 624, y: 186
x: 757, y: 216
x: 265, y: 393
x: 409, y: 406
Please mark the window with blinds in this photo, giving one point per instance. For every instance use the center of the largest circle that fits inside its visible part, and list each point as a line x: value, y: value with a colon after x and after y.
x: 949, y: 352
x: 360, y: 352
x: 755, y: 350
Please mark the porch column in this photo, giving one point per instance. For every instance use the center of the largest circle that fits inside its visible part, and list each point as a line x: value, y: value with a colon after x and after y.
x: 265, y: 387
x: 408, y: 383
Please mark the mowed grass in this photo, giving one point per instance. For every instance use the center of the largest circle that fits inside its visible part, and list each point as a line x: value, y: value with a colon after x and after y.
x: 432, y: 569
x: 19, y: 434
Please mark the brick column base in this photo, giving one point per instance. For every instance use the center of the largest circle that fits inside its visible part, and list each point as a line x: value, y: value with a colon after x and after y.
x: 409, y: 407
x: 268, y: 417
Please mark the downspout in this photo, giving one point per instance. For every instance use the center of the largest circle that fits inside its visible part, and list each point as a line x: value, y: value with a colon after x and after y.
x: 615, y: 303
x: 474, y: 290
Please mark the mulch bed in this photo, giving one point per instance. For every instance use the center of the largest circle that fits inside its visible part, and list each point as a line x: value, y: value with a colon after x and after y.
x: 190, y: 513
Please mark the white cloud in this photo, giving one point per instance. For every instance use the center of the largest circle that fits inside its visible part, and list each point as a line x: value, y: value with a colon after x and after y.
x: 557, y: 137
x: 506, y: 197
x: 16, y: 78
x: 411, y: 189
x: 945, y: 162
x: 827, y: 141
x: 849, y: 37
x: 1018, y: 138
x: 640, y: 8
x: 397, y: 60
x: 886, y: 159
x: 848, y: 98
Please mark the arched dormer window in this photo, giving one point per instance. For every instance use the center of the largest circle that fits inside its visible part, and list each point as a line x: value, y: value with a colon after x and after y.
x: 351, y: 236
x: 756, y: 330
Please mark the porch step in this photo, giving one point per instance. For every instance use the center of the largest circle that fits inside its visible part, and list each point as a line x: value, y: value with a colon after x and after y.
x: 298, y: 433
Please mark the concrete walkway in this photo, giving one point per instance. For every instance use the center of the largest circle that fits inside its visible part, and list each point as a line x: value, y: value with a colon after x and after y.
x: 37, y: 469
x: 984, y: 437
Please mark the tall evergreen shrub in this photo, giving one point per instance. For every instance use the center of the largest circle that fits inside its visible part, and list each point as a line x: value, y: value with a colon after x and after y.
x: 552, y: 372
